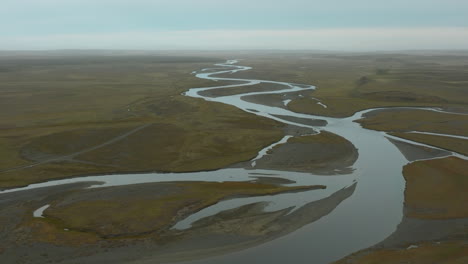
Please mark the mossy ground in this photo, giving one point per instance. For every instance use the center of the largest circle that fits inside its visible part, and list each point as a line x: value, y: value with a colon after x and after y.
x: 56, y: 106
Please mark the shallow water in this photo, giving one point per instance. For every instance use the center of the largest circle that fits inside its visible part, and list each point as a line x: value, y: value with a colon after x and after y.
x: 40, y: 211
x: 367, y: 217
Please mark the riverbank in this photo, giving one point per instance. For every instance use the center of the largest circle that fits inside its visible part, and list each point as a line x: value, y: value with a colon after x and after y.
x: 435, y: 227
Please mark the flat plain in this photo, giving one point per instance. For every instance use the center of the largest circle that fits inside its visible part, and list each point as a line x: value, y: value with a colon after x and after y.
x: 70, y: 114
x: 66, y: 116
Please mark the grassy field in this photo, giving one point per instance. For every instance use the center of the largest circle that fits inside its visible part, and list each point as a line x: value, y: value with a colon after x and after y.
x: 398, y: 122
x: 58, y: 105
x: 436, y: 189
x: 417, y: 120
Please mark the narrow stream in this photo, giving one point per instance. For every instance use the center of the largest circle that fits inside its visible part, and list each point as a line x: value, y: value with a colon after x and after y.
x: 367, y: 217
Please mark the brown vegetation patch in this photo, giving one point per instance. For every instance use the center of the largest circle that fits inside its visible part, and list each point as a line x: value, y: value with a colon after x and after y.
x: 436, y: 189
x: 403, y: 120
x: 143, y: 209
x: 400, y: 96
x: 44, y: 231
x: 68, y: 142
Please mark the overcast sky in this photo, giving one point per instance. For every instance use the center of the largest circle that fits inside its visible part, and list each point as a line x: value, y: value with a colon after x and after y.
x: 234, y: 24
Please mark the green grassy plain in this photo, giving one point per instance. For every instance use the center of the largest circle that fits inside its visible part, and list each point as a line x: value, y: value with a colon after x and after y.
x: 51, y: 106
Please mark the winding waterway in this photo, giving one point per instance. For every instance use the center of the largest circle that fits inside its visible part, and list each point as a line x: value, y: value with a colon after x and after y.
x: 367, y: 217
